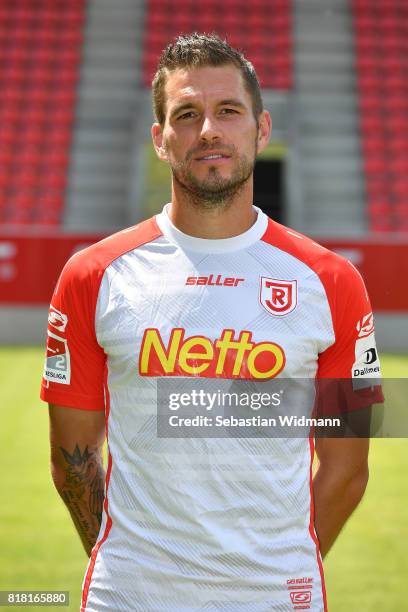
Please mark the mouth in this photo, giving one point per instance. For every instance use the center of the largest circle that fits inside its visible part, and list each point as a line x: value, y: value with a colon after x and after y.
x: 212, y: 157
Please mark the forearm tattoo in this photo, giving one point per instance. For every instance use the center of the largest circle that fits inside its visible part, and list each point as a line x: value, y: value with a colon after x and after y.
x: 83, y: 491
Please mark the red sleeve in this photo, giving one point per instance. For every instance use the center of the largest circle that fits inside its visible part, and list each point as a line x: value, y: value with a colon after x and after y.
x: 352, y: 322
x: 74, y: 363
x: 349, y: 370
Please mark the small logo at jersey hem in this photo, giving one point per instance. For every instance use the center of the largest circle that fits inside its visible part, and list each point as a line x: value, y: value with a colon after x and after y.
x: 277, y: 296
x: 300, y: 592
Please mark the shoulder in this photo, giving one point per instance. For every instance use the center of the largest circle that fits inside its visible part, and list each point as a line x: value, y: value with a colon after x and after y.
x: 328, y: 265
x: 91, y: 262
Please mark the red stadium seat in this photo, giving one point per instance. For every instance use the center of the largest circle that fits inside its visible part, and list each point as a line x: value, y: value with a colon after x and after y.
x: 25, y: 178
x: 396, y: 104
x: 400, y: 188
x: 262, y: 26
x: 375, y: 165
x: 19, y: 216
x: 379, y: 209
x: 40, y: 76
x: 398, y: 144
x: 382, y: 225
x: 6, y: 157
x: 33, y: 134
x: 42, y: 56
x: 367, y: 63
x: 30, y: 156
x: 8, y: 135
x: 15, y: 76
x: 66, y: 77
x: 377, y: 188
x: 4, y: 177
x: 55, y: 180
x: 398, y: 165
x: 390, y: 24
x: 393, y: 82
x: 21, y: 35
x: 397, y: 123
x: 59, y: 135
x: 50, y: 200
x: 369, y: 102
x: 22, y: 201
x: 17, y: 55
x: 56, y: 157
x: 401, y: 210
x: 373, y: 145
x: 71, y: 36
x: 371, y: 125
x: 9, y: 115
x: 40, y: 49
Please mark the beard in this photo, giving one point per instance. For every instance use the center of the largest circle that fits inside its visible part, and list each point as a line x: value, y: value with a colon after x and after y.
x: 214, y: 191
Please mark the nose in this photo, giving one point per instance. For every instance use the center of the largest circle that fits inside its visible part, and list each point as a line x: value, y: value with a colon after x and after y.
x: 210, y: 129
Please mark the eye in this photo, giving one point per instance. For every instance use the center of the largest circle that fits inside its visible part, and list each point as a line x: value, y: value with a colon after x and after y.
x: 187, y: 115
x: 228, y: 110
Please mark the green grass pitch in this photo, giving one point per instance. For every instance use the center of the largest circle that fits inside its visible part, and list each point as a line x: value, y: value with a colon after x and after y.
x: 365, y: 571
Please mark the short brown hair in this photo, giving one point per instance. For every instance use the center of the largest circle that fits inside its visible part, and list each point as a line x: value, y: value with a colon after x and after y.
x: 199, y: 50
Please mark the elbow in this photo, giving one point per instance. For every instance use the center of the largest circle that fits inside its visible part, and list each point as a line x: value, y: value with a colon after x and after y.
x: 58, y: 476
x: 357, y: 486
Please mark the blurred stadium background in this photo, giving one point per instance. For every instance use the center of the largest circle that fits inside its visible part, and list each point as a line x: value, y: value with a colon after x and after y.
x: 76, y: 164
x: 76, y: 161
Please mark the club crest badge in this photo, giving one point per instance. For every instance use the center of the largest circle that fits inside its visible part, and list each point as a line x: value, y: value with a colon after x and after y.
x: 278, y: 297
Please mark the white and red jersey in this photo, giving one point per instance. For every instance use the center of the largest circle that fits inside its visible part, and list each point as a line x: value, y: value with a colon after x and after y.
x: 194, y: 524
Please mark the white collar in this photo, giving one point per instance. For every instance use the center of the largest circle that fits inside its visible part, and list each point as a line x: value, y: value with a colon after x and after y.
x: 208, y: 245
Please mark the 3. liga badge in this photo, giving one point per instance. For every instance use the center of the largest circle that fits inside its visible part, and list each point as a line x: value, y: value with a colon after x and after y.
x: 278, y: 297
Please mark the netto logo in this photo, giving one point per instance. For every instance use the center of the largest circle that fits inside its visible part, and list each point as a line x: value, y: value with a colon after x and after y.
x: 225, y: 357
x: 370, y: 356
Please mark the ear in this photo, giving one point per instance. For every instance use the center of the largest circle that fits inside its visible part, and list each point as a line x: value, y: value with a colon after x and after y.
x: 157, y: 137
x: 264, y: 131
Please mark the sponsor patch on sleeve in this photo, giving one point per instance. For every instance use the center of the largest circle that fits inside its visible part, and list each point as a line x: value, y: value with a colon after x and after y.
x: 57, y: 319
x: 365, y: 326
x: 57, y: 367
x: 367, y: 363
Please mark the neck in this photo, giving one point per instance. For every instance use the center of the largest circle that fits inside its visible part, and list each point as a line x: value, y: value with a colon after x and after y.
x: 230, y: 219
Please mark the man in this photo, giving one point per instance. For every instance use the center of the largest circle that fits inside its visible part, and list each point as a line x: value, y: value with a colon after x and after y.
x: 212, y: 290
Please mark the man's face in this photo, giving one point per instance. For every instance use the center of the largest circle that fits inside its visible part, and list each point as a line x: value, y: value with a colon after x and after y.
x: 210, y: 136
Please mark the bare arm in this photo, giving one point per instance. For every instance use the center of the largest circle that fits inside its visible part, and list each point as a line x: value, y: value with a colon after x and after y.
x: 339, y: 484
x: 76, y: 438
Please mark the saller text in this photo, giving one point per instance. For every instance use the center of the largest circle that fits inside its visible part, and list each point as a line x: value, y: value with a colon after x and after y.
x: 218, y: 280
